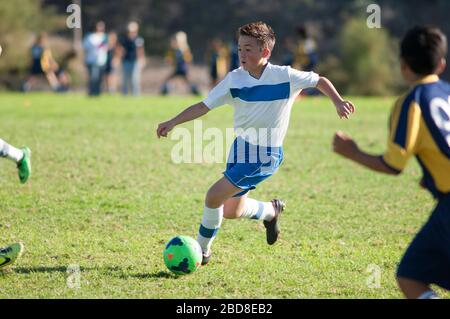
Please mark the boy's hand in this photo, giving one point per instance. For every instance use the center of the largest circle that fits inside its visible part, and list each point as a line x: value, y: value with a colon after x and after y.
x: 344, y: 109
x: 344, y: 145
x: 164, y: 128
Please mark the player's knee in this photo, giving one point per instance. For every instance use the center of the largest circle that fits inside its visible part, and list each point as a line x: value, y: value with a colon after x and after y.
x: 212, y: 200
x: 404, y: 282
x: 403, y: 285
x: 412, y: 289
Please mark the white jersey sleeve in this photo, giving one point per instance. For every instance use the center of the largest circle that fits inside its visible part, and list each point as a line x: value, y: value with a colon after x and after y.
x: 220, y: 94
x: 302, y: 80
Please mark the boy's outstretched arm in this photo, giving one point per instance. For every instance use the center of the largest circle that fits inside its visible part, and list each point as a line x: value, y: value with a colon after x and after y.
x: 345, y: 146
x: 343, y: 108
x: 189, y: 114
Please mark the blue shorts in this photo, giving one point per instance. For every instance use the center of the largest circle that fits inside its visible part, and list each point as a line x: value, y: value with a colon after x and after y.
x: 428, y: 257
x: 248, y: 164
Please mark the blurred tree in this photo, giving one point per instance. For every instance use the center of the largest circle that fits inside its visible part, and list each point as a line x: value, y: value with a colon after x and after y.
x: 19, y: 22
x: 366, y: 56
x: 368, y: 60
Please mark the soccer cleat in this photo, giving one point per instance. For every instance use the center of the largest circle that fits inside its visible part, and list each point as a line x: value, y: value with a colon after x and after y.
x: 272, y: 228
x: 206, y: 258
x: 24, y: 165
x: 8, y: 255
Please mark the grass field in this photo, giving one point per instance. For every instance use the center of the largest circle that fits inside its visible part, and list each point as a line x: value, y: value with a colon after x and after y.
x: 105, y: 196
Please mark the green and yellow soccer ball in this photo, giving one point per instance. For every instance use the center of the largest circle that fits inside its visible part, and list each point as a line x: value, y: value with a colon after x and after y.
x: 182, y: 255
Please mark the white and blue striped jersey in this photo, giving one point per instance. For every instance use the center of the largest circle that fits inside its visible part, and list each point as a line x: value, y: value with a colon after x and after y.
x: 262, y: 106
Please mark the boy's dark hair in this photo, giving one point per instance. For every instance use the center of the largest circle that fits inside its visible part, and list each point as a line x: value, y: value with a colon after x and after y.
x: 261, y: 31
x: 422, y: 49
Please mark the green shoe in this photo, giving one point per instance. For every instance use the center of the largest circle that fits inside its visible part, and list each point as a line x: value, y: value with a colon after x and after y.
x: 8, y: 255
x: 24, y: 165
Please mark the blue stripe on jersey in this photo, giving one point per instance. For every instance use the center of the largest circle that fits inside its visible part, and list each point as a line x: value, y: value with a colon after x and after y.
x: 434, y: 90
x: 263, y: 93
x: 208, y: 233
x: 402, y: 122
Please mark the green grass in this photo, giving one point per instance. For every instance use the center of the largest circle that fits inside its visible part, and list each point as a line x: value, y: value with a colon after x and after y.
x: 106, y: 196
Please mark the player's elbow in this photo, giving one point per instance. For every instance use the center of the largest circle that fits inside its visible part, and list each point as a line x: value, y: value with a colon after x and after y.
x: 386, y: 168
x: 392, y: 172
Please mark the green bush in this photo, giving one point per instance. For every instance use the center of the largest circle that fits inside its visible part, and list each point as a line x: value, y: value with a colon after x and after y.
x: 367, y: 63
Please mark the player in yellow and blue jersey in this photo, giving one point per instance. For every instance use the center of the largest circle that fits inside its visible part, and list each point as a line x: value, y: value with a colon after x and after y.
x: 419, y: 125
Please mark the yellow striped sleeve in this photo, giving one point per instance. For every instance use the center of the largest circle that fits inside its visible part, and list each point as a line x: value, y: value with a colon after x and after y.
x: 403, y: 141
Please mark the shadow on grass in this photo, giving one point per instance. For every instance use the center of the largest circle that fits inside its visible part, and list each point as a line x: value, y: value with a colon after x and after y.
x: 29, y: 270
x: 155, y: 275
x: 112, y: 270
x: 127, y: 274
x: 52, y: 269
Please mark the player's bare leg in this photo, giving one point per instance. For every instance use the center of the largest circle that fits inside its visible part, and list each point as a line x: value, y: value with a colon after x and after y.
x: 413, y: 289
x: 220, y: 192
x: 233, y: 207
x: 213, y: 214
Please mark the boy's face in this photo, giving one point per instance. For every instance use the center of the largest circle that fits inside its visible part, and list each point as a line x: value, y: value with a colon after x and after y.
x: 251, y: 55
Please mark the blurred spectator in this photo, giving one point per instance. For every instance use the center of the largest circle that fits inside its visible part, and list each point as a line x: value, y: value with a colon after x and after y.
x: 288, y: 48
x: 112, y: 63
x: 306, y: 56
x: 42, y: 64
x: 180, y: 57
x: 234, y: 56
x: 61, y: 72
x: 217, y: 61
x: 96, y: 50
x: 133, y: 59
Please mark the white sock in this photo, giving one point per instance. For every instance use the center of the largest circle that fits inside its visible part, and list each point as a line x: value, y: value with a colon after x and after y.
x: 430, y: 294
x: 10, y: 152
x: 212, y: 219
x: 254, y: 209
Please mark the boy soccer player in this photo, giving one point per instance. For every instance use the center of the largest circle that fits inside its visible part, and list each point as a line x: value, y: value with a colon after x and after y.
x: 262, y: 95
x: 22, y: 157
x: 420, y: 126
